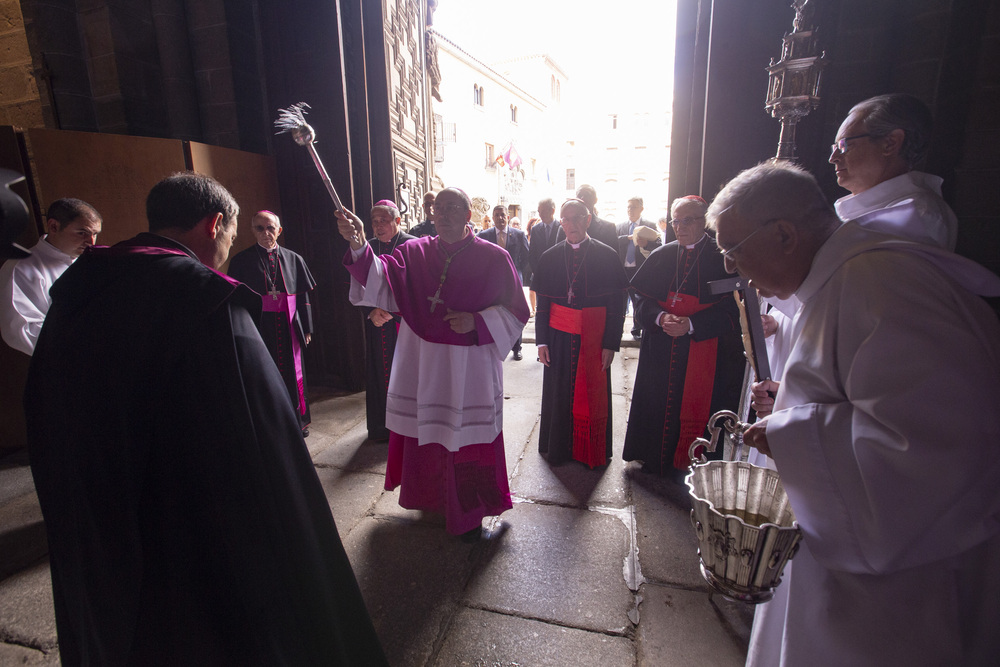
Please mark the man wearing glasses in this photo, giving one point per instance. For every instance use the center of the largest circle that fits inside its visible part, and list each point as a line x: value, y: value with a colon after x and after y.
x: 578, y: 325
x: 878, y: 145
x: 462, y: 308
x: 888, y: 397
x: 690, y: 359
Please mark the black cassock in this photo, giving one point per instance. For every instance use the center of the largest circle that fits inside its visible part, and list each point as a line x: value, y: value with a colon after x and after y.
x: 286, y: 272
x: 381, y: 344
x: 672, y: 399
x: 186, y: 524
x: 598, y: 281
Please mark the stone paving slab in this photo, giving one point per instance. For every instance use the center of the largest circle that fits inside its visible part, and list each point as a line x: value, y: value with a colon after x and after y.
x: 573, y: 484
x: 352, y: 495
x: 15, y: 476
x: 479, y: 638
x: 22, y: 533
x: 411, y: 577
x: 29, y: 617
x: 680, y: 628
x: 353, y: 452
x: 668, y: 548
x: 559, y: 565
x: 12, y: 654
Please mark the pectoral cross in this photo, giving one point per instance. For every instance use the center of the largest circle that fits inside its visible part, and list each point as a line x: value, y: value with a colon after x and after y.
x: 569, y: 295
x: 435, y: 300
x: 274, y: 292
x: 674, y: 299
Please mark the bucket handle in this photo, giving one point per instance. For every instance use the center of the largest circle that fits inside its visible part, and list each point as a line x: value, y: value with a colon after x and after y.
x: 734, y: 432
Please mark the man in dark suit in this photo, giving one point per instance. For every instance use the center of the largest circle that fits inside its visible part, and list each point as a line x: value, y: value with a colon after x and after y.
x: 600, y: 230
x: 544, y: 233
x: 426, y: 228
x: 629, y: 254
x: 515, y: 242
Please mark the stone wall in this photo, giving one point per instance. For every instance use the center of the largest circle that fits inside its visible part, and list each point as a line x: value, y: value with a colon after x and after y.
x: 20, y: 104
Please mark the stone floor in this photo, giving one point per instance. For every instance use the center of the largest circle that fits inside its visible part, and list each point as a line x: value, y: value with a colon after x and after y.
x: 591, y: 567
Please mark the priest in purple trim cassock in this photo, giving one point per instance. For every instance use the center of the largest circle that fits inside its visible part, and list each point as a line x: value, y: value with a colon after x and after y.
x: 186, y: 524
x: 283, y: 280
x: 381, y: 326
x: 691, y: 359
x: 462, y: 308
x: 580, y: 285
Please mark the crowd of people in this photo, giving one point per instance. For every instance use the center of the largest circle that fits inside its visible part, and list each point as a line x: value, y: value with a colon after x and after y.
x: 885, y: 384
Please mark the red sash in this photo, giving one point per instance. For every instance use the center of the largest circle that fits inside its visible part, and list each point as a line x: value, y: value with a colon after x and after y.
x: 590, y: 391
x: 285, y: 303
x: 699, y: 379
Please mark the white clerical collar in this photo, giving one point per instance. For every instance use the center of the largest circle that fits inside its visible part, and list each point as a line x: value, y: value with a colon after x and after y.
x: 689, y: 247
x: 268, y: 250
x: 576, y: 246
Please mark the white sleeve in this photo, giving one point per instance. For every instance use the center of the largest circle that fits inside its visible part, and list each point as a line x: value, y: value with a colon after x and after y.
x: 888, y: 439
x: 21, y: 318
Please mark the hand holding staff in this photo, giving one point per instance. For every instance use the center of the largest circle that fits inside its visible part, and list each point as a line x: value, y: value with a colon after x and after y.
x: 351, y: 228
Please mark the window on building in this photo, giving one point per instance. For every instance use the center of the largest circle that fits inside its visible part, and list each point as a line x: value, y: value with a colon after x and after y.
x: 478, y: 95
x: 489, y: 156
x: 571, y: 179
x: 438, y: 138
x: 513, y: 113
x: 614, y: 121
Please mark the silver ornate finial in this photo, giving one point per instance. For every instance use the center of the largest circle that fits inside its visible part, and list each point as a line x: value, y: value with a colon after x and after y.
x: 293, y: 119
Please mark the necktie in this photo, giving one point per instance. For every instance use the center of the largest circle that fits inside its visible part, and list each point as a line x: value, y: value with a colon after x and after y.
x: 630, y: 253
x: 502, y: 238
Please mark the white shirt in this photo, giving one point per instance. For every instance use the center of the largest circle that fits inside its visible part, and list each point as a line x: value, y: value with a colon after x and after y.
x: 24, y: 293
x: 933, y: 221
x: 885, y: 434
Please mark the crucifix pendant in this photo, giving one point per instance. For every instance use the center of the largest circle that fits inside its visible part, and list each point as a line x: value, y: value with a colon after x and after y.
x: 435, y: 300
x: 674, y: 299
x: 274, y: 292
x: 569, y: 295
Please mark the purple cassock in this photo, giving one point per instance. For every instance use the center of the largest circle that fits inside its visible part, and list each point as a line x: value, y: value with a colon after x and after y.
x: 445, y: 399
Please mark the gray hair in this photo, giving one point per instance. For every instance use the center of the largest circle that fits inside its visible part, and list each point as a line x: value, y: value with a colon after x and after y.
x: 775, y: 191
x: 883, y: 114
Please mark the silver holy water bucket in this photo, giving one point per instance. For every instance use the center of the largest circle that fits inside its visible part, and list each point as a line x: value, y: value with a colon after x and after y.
x: 745, y: 525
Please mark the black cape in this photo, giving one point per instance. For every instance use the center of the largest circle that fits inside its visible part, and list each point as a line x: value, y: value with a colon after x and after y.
x: 293, y: 277
x: 381, y: 345
x: 185, y: 520
x: 600, y: 282
x: 654, y: 417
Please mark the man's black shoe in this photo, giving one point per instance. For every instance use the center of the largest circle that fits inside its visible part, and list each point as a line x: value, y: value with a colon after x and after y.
x: 636, y: 334
x: 517, y: 355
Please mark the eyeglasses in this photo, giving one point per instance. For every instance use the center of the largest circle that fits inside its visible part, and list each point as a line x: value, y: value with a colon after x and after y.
x: 728, y: 254
x: 841, y: 144
x: 447, y: 208
x: 688, y: 221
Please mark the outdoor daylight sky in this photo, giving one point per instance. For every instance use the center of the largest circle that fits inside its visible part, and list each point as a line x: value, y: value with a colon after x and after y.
x: 623, y: 49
